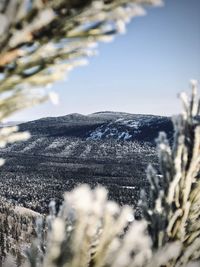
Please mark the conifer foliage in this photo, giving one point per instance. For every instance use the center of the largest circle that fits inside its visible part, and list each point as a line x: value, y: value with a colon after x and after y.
x: 41, y: 40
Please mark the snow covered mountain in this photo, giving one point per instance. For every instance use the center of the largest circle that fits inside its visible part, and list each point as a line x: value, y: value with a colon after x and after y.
x: 107, y: 148
x: 101, y: 126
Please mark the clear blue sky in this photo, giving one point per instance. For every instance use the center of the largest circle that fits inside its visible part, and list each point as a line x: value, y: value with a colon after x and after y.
x: 140, y: 72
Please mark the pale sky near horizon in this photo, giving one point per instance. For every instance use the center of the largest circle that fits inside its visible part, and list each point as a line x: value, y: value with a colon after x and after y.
x: 140, y: 72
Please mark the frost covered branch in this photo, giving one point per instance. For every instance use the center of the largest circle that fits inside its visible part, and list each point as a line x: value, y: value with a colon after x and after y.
x: 174, y: 210
x: 92, y: 231
x: 41, y: 40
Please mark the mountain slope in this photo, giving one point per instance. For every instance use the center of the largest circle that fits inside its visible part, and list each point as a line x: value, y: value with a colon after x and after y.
x: 107, y: 148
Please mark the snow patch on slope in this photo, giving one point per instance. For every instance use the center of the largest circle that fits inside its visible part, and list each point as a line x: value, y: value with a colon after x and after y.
x: 120, y: 129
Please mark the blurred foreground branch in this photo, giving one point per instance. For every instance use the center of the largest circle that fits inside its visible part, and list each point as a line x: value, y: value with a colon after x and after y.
x: 42, y: 40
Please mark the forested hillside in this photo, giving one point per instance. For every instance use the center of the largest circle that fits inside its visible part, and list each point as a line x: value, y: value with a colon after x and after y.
x: 109, y: 149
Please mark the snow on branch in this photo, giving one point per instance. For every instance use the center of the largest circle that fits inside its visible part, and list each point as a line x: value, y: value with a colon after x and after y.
x: 174, y: 210
x: 42, y: 40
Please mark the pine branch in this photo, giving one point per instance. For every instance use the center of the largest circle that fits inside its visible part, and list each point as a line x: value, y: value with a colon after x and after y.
x: 41, y: 40
x: 174, y: 211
